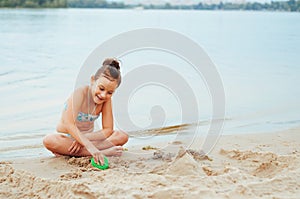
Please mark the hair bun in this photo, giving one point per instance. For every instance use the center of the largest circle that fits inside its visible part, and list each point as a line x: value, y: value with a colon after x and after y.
x: 115, y: 64
x: 112, y: 62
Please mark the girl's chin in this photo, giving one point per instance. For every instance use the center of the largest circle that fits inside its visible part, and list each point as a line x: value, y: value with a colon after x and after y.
x: 98, y: 101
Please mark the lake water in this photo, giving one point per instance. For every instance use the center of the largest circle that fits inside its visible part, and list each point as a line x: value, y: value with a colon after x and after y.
x: 43, y: 50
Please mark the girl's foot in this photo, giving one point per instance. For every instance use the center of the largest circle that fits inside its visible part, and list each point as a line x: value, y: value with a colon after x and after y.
x: 113, y: 151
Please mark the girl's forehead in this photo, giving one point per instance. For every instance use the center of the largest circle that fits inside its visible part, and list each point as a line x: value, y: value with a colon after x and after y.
x: 107, y: 82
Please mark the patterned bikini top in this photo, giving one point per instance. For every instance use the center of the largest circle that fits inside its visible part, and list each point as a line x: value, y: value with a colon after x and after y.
x: 85, y: 117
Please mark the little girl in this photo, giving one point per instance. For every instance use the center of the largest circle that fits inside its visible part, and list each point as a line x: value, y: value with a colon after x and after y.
x: 81, y: 110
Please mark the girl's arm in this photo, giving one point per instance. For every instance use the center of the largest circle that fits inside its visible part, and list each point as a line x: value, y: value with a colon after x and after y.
x: 107, y: 123
x: 70, y: 116
x: 107, y: 118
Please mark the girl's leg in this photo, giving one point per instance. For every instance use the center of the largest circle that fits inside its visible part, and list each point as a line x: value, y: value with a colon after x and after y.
x: 60, y: 144
x: 117, y: 138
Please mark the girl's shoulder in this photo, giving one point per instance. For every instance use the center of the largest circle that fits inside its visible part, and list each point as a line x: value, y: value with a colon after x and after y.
x: 78, y: 94
x: 81, y: 90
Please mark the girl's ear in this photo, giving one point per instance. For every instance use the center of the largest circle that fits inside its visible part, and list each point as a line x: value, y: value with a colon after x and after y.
x: 92, y: 79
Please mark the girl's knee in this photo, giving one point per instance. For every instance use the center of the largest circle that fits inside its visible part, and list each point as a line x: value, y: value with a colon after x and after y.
x: 50, y: 141
x: 121, y: 137
x: 47, y: 141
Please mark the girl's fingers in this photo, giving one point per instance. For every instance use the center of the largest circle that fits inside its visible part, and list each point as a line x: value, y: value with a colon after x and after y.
x: 71, y: 147
x: 99, y: 158
x: 78, y: 148
x: 96, y: 159
x: 74, y: 148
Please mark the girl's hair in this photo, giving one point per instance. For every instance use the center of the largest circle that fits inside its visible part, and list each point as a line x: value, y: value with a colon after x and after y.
x: 110, y: 69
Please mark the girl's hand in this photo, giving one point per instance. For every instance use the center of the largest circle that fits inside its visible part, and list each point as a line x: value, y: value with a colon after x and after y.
x: 75, y: 147
x: 97, y: 156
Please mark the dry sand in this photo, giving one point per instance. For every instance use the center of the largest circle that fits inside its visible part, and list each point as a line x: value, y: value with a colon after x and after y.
x: 240, y: 166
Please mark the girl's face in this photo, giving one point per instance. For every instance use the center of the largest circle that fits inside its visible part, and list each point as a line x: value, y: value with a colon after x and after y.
x: 102, y: 89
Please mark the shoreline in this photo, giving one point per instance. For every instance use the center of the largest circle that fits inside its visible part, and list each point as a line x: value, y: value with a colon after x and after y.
x: 252, y: 165
x: 37, y: 150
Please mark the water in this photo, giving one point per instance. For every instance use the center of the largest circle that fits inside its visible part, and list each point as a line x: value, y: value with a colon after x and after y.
x: 42, y: 51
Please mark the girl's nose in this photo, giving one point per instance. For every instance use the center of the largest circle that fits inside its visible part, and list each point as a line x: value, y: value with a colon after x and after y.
x: 103, y: 94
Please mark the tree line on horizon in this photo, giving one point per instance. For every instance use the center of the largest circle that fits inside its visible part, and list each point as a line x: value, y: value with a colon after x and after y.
x: 291, y: 5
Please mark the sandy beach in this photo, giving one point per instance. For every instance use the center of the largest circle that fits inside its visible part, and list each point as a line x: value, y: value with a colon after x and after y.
x: 262, y: 165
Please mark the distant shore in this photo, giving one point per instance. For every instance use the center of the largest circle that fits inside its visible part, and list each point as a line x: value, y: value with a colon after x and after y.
x: 290, y: 6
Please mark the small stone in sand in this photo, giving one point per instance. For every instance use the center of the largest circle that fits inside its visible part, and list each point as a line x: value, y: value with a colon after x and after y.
x: 198, y: 155
x: 161, y: 155
x: 149, y: 148
x: 158, y: 154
